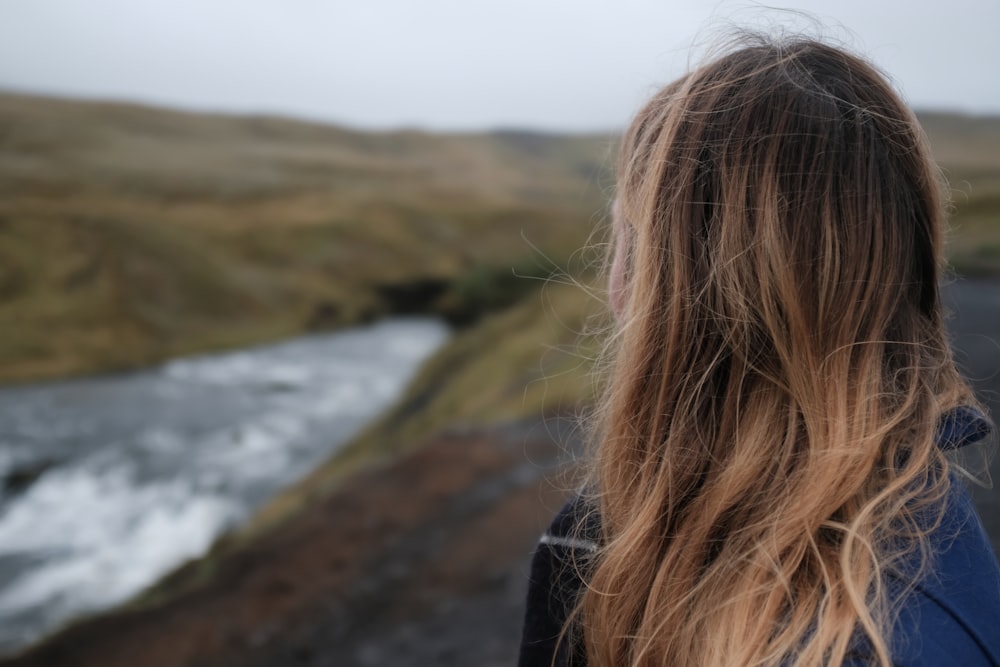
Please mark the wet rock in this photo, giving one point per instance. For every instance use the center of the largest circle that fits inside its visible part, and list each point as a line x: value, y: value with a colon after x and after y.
x: 21, y: 477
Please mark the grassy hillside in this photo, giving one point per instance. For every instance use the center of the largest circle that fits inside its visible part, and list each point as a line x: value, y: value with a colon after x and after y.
x: 130, y: 234
x: 968, y: 150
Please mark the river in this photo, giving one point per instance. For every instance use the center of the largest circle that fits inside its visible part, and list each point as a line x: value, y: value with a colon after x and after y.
x: 110, y: 481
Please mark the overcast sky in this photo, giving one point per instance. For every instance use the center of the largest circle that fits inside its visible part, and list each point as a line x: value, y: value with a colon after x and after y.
x: 459, y: 64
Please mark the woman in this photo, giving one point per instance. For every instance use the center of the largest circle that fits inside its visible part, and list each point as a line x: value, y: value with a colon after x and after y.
x: 770, y: 483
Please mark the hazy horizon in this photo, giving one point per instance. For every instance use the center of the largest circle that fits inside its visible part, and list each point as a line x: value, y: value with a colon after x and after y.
x: 331, y: 122
x: 443, y: 65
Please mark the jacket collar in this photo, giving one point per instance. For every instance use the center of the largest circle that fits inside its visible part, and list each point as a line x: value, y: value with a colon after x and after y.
x: 962, y: 426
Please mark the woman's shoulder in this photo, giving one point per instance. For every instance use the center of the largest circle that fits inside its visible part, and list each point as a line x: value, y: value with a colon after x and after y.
x: 576, y: 527
x: 558, y: 572
x: 952, y: 615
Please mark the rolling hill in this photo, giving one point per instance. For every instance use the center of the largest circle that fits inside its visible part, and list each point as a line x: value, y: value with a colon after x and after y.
x: 130, y: 234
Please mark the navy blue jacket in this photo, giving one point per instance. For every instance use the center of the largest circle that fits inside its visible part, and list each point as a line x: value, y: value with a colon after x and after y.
x: 952, y: 617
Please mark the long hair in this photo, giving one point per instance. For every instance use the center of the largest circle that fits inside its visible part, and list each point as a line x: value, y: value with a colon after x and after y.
x: 766, y: 457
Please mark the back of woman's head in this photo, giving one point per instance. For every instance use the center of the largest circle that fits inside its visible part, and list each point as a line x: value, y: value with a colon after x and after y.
x: 766, y: 443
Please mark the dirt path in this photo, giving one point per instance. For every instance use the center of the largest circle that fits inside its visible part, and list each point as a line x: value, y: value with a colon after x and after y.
x: 422, y: 562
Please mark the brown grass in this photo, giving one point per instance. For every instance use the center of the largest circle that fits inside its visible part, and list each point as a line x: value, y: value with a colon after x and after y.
x: 130, y: 234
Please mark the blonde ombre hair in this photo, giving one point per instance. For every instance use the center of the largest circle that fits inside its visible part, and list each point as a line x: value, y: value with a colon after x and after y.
x: 765, y: 454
